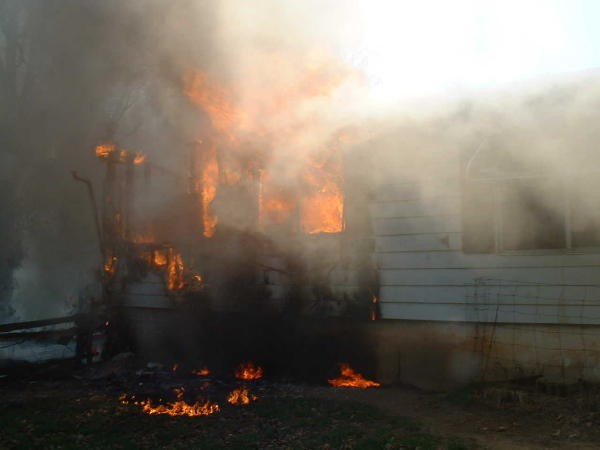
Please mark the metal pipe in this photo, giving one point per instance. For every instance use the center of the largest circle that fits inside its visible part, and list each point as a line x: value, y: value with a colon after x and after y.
x: 90, y: 191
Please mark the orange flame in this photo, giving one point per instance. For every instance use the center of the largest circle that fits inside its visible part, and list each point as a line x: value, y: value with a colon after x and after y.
x: 248, y: 371
x: 350, y: 378
x: 276, y: 206
x: 110, y: 266
x: 241, y: 396
x: 209, y: 179
x: 107, y: 150
x: 159, y: 258
x: 270, y: 110
x: 175, y: 280
x: 214, y: 99
x: 104, y: 150
x: 177, y: 408
x: 323, y: 204
x: 139, y: 158
x: 203, y: 372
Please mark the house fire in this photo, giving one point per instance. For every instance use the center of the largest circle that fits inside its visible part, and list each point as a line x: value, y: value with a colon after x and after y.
x: 248, y: 228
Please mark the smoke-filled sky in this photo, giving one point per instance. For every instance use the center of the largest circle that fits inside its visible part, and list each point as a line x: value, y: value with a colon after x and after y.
x: 428, y: 46
x: 414, y: 49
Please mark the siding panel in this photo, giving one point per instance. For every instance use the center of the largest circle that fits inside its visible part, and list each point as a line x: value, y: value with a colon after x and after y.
x: 436, y: 206
x: 457, y: 259
x: 424, y: 275
x: 417, y: 225
x: 586, y: 315
x: 439, y: 241
x: 547, y: 275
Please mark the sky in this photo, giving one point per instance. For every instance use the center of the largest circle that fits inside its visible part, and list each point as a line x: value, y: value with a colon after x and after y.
x: 414, y: 48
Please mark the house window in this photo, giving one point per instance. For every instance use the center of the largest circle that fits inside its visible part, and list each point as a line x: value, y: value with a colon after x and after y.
x: 584, y: 205
x: 530, y: 213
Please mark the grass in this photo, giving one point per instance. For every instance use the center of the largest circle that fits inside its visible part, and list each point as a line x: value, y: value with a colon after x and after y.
x: 98, y: 421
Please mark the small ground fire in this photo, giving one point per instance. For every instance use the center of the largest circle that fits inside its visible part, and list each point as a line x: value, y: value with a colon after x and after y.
x: 241, y: 396
x: 248, y: 371
x: 177, y: 408
x: 352, y: 379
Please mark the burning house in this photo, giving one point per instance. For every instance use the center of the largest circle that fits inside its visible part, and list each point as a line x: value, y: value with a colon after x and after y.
x: 248, y: 232
x: 284, y: 217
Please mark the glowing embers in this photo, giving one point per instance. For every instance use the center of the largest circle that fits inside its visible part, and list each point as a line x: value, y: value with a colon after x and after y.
x: 177, y: 408
x: 350, y: 378
x: 241, y: 396
x: 248, y: 371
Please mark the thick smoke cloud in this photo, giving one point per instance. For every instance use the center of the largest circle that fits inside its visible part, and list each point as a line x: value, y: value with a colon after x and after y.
x: 73, y: 74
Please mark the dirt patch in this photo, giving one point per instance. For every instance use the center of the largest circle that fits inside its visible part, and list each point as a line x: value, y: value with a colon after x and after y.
x: 496, y: 417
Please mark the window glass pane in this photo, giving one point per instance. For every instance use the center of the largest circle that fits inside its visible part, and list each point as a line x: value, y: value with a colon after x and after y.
x: 478, y: 217
x: 585, y: 211
x: 532, y: 215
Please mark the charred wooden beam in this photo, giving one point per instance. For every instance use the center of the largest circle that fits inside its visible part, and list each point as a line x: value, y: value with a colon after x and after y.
x: 53, y: 335
x: 37, y: 323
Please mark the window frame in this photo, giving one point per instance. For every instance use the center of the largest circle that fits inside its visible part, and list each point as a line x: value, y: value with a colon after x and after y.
x: 498, y: 183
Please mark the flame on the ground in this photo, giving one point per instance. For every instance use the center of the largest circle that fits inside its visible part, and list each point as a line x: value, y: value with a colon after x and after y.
x: 175, y: 367
x: 202, y: 372
x: 177, y: 408
x: 350, y: 378
x: 241, y: 396
x: 248, y: 371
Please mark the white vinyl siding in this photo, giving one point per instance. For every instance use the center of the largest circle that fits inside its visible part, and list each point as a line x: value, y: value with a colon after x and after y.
x: 425, y: 275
